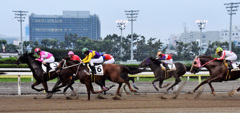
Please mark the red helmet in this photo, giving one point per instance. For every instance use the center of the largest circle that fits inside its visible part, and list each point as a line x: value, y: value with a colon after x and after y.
x: 37, y: 50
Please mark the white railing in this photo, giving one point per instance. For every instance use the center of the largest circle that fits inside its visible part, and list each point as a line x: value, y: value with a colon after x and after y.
x: 20, y: 73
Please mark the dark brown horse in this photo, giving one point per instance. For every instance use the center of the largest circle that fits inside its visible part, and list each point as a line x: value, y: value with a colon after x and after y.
x: 39, y: 75
x: 161, y: 74
x: 113, y: 72
x: 217, y: 69
x: 36, y: 67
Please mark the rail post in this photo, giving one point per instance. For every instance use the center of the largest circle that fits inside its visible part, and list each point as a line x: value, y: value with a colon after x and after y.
x: 19, y: 85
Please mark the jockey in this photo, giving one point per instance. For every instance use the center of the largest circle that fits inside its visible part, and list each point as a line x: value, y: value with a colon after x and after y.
x: 45, y: 57
x: 230, y: 56
x: 91, y: 58
x: 109, y: 58
x: 167, y: 59
x: 73, y: 57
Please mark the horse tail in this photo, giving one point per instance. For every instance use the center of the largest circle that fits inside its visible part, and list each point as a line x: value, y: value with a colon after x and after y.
x: 131, y: 70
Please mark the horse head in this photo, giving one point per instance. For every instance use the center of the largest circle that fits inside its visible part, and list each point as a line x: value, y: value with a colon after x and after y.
x: 148, y: 61
x: 196, y: 65
x: 200, y: 61
x: 22, y: 59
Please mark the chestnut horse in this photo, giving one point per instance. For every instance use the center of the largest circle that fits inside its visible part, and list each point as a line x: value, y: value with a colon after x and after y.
x: 161, y: 74
x: 113, y: 72
x: 217, y: 69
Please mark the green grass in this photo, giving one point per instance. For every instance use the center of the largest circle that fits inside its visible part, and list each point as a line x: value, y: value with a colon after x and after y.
x: 27, y: 79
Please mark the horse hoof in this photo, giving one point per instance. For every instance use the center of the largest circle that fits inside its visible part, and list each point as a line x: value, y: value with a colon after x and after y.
x: 49, y: 95
x: 190, y: 92
x: 214, y: 94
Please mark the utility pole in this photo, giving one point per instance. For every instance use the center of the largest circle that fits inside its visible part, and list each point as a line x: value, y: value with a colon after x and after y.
x: 131, y: 15
x: 231, y: 8
x: 20, y: 15
x: 201, y: 25
x: 121, y: 24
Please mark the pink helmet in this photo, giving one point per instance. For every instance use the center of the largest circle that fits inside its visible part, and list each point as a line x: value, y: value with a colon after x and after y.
x: 70, y: 53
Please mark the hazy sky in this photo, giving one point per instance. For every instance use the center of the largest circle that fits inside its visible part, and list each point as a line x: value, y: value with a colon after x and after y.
x: 157, y: 18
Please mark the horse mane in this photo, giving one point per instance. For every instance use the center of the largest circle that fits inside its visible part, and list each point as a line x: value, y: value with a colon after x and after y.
x: 31, y: 55
x: 208, y: 57
x: 155, y: 61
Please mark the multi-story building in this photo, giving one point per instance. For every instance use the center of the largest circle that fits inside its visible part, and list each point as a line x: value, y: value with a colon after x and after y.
x: 224, y: 35
x: 56, y: 26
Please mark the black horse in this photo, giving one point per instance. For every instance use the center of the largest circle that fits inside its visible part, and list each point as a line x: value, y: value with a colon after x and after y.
x: 39, y: 75
x: 161, y: 74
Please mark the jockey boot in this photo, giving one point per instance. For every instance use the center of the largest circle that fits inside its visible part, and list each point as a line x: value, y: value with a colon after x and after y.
x: 93, y: 73
x: 229, y: 65
x: 48, y: 67
x: 166, y: 66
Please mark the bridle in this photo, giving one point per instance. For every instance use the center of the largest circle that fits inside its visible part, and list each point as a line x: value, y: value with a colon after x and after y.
x: 64, y: 66
x: 197, y: 63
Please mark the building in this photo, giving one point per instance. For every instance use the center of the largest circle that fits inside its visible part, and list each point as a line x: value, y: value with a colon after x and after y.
x: 224, y: 35
x: 56, y: 26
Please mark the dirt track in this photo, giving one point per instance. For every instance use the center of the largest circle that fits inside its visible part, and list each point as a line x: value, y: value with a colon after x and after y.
x: 185, y: 103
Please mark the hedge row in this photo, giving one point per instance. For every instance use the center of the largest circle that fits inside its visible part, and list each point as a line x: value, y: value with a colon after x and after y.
x: 13, y: 66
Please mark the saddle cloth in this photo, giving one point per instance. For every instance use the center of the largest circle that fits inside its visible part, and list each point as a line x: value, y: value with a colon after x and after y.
x: 52, y: 65
x: 236, y: 66
x: 98, y: 68
x: 171, y: 67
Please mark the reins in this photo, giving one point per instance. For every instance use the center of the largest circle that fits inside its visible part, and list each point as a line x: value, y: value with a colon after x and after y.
x: 207, y: 62
x: 66, y: 67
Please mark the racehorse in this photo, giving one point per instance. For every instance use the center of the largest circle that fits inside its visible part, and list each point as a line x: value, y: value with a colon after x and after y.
x: 161, y: 74
x: 217, y: 69
x: 39, y: 75
x: 82, y: 74
x: 113, y: 72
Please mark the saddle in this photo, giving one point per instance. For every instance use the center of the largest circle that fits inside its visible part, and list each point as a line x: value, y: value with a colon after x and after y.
x: 52, y: 65
x: 98, y: 68
x: 172, y: 67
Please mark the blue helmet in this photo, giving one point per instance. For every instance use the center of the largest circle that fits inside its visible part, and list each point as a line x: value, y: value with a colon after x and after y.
x: 101, y: 53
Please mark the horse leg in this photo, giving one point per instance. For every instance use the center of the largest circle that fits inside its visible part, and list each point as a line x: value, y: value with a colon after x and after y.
x: 70, y: 83
x: 132, y: 78
x: 130, y: 88
x: 101, y: 83
x: 56, y: 88
x: 118, y: 90
x: 161, y: 82
x: 177, y: 80
x: 49, y: 93
x: 88, y: 90
x: 204, y: 82
x: 215, y: 79
x: 34, y: 84
x: 124, y: 88
x: 157, y: 79
x: 232, y: 92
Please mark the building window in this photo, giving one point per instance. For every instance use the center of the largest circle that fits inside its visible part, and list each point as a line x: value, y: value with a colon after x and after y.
x: 225, y: 34
x: 233, y: 34
x: 191, y: 36
x: 236, y: 33
x: 222, y: 34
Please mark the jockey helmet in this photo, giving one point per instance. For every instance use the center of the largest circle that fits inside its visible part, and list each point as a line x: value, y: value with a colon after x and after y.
x: 37, y: 50
x: 101, y: 53
x: 84, y: 50
x: 219, y: 49
x: 159, y: 53
x: 70, y: 53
